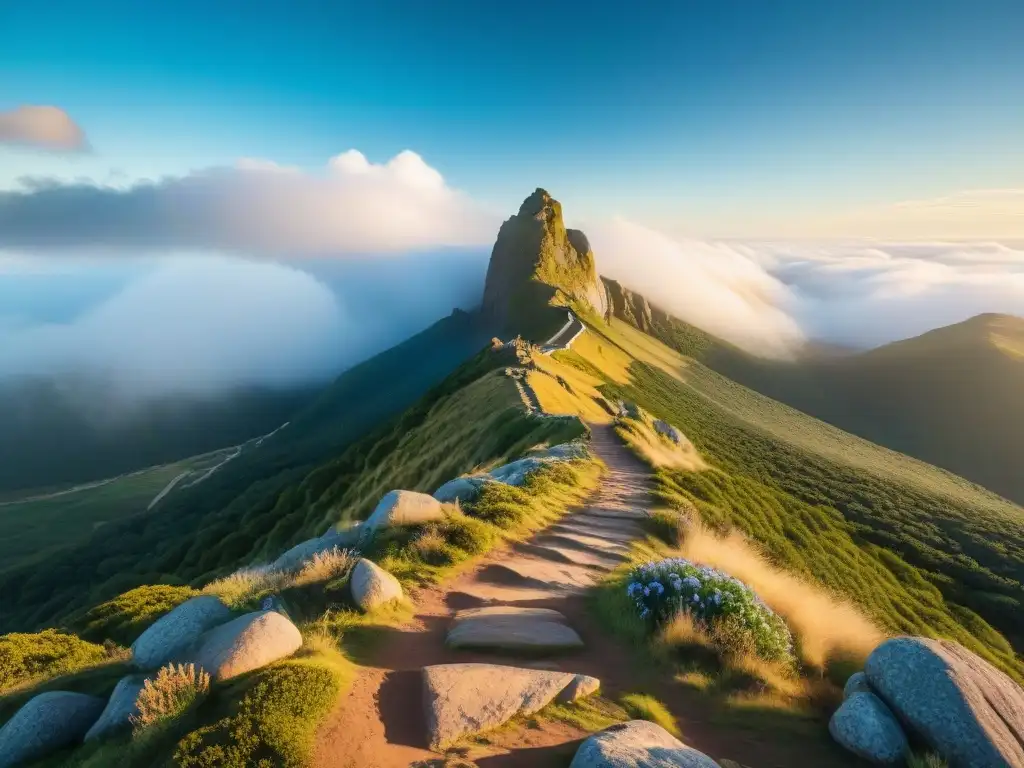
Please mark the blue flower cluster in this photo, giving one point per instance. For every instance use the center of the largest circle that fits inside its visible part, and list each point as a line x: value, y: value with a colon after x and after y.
x: 663, y: 588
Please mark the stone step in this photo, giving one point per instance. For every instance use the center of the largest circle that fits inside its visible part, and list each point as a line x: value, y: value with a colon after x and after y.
x: 570, y: 538
x: 587, y: 558
x: 513, y: 630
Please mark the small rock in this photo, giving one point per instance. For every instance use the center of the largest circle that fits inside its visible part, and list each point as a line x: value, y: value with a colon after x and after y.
x: 373, y: 586
x: 581, y: 687
x: 667, y: 430
x: 513, y: 631
x: 121, y: 706
x: 856, y: 683
x: 466, y: 699
x: 303, y: 552
x: 173, y: 636
x: 249, y: 642
x: 404, y: 508
x: 46, y: 723
x: 461, y: 488
x: 960, y: 705
x: 866, y: 727
x: 638, y: 744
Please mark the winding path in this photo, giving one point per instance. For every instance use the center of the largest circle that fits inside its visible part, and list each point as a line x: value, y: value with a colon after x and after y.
x: 380, y: 722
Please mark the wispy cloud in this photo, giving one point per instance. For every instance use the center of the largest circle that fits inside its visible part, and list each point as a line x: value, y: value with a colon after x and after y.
x: 42, y: 127
x: 256, y: 208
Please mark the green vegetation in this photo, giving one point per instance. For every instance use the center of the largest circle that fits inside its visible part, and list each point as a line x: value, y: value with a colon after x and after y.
x: 950, y: 397
x: 643, y: 707
x: 25, y: 658
x: 166, y: 697
x: 128, y: 615
x: 918, y: 549
x: 275, y: 718
x: 35, y: 527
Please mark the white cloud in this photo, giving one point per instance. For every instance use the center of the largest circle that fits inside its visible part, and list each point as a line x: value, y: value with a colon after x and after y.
x: 195, y: 326
x: 42, y: 127
x: 716, y: 286
x: 257, y: 207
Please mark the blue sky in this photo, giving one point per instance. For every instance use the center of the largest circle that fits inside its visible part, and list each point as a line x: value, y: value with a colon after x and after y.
x: 710, y: 118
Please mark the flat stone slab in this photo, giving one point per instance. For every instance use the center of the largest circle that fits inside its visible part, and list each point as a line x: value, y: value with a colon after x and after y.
x: 572, y: 555
x: 465, y: 699
x: 638, y: 744
x: 568, y: 537
x: 547, y: 614
x: 515, y: 630
x: 534, y: 572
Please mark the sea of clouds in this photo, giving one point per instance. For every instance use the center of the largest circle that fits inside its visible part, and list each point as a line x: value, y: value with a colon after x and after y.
x: 263, y: 274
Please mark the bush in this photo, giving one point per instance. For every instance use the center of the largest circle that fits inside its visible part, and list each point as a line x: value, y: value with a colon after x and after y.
x: 46, y: 654
x: 127, y: 616
x: 172, y: 692
x: 667, y: 587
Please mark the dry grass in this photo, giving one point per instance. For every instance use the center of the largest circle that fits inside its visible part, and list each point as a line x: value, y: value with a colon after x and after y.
x: 658, y: 451
x: 175, y: 689
x: 248, y: 584
x: 826, y: 628
x: 325, y: 566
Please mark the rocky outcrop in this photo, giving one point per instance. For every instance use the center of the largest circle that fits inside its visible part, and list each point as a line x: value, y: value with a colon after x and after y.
x: 866, y: 727
x: 372, y: 586
x: 535, y: 259
x: 404, y: 508
x: 466, y: 699
x: 672, y: 434
x: 249, y: 642
x: 121, y: 707
x: 46, y: 723
x: 638, y: 744
x: 513, y: 630
x: 174, y: 635
x: 965, y: 709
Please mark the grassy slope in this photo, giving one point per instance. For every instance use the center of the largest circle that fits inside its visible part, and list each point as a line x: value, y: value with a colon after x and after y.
x: 34, y: 527
x: 475, y: 420
x: 950, y: 397
x: 919, y: 549
x: 199, y: 532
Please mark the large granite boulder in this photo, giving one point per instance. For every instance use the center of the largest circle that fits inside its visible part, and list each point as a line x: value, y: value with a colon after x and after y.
x: 513, y: 630
x: 866, y: 727
x: 303, y: 552
x: 372, y: 586
x: 121, y: 707
x: 516, y: 472
x: 173, y: 636
x: 461, y: 488
x: 856, y: 683
x: 46, y: 723
x: 465, y: 699
x: 638, y: 744
x: 576, y: 449
x: 404, y: 508
x: 964, y: 708
x: 249, y: 642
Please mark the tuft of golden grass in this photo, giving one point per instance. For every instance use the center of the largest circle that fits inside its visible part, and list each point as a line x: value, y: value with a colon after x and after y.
x: 325, y: 566
x: 174, y: 689
x: 248, y: 584
x: 827, y: 629
x: 659, y: 451
x: 643, y: 707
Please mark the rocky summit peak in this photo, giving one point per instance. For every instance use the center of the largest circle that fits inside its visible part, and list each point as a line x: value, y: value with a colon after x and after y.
x: 536, y: 266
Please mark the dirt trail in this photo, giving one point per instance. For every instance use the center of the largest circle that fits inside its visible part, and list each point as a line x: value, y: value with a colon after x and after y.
x: 380, y: 722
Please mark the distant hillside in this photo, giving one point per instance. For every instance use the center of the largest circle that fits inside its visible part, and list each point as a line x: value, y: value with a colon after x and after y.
x: 951, y: 397
x: 53, y: 436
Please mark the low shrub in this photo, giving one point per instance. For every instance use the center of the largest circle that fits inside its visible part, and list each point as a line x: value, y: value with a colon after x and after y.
x: 41, y: 655
x: 175, y: 689
x: 662, y: 589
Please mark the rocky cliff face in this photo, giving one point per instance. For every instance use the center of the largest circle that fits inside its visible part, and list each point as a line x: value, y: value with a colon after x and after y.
x: 536, y: 263
x: 631, y: 307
